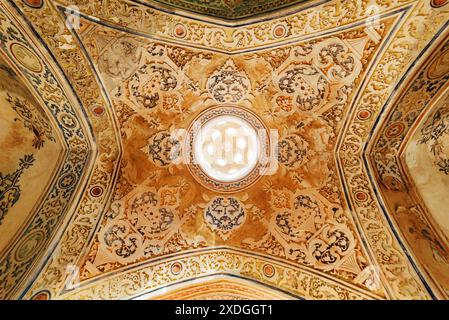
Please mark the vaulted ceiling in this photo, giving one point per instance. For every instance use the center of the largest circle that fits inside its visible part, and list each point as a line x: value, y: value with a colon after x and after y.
x: 352, y: 94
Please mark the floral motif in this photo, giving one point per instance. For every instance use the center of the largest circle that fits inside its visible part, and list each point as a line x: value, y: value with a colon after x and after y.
x: 123, y: 245
x: 150, y: 216
x: 228, y: 84
x: 224, y: 215
x: 153, y: 78
x: 436, y: 134
x: 306, y: 85
x: 313, y: 75
x: 302, y: 229
x: 144, y: 223
x: 112, y: 60
x: 149, y: 84
x: 292, y: 151
x: 335, y: 243
x: 163, y: 149
x: 9, y: 186
x: 32, y: 120
x: 295, y: 223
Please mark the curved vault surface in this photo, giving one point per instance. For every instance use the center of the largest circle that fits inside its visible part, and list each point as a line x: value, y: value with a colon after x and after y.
x: 30, y: 152
x: 342, y: 217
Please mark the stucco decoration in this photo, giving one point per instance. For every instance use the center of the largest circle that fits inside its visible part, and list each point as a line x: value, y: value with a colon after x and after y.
x: 123, y: 83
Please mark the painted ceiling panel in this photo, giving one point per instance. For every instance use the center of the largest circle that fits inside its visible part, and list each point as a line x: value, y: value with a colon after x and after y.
x: 337, y: 211
x: 163, y: 87
x: 230, y: 9
x: 58, y: 129
x: 31, y: 152
x: 408, y: 154
x: 430, y: 146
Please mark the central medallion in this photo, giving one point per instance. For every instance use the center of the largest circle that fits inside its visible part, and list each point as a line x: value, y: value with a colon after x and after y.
x: 227, y: 148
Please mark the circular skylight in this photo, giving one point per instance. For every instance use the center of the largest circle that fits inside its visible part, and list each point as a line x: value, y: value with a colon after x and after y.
x: 226, y: 148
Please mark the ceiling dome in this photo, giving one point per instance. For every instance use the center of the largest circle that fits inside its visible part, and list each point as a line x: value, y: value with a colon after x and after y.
x: 320, y: 171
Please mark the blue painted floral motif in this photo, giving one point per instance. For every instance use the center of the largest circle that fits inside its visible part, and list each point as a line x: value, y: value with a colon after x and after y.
x: 9, y: 186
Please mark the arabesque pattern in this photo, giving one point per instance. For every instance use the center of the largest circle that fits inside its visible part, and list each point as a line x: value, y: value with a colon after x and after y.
x: 340, y: 89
